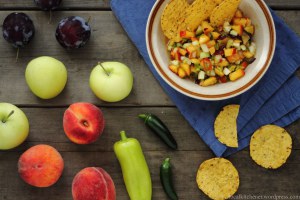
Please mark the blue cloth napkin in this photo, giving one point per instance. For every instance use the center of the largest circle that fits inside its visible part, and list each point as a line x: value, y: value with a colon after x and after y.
x: 274, y: 99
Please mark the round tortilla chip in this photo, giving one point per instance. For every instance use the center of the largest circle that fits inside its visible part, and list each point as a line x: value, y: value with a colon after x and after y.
x: 218, y: 1
x: 270, y: 146
x: 199, y: 11
x: 225, y: 125
x: 218, y: 178
x: 172, y: 19
x: 224, y: 12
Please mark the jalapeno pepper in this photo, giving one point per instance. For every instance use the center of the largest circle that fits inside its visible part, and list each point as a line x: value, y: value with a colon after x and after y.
x: 166, y: 179
x: 158, y: 127
x: 135, y: 171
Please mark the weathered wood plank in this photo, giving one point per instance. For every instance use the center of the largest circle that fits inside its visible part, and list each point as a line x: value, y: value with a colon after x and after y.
x: 108, y: 42
x: 104, y: 4
x: 254, y: 180
x: 46, y: 127
x: 283, y: 4
x: 66, y: 4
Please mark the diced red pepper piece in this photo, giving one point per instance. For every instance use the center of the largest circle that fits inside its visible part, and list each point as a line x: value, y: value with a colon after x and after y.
x: 244, y: 65
x: 186, y: 34
x: 206, y: 64
x: 223, y: 79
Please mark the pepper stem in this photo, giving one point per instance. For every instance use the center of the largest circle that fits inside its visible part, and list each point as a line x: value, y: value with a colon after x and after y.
x: 166, y: 163
x: 144, y: 116
x: 6, y: 118
x: 123, y: 135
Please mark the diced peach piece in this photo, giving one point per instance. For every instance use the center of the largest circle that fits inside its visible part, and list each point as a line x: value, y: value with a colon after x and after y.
x: 248, y: 54
x: 219, y: 72
x: 191, y: 49
x: 223, y: 63
x: 193, y: 69
x: 229, y: 52
x: 187, y: 34
x: 240, y: 21
x: 238, y: 13
x: 241, y: 55
x: 245, y: 38
x: 249, y: 29
x: 211, y: 43
x: 225, y: 40
x: 182, y: 51
x: 248, y: 23
x: 238, y: 29
x: 234, y: 58
x: 207, y: 28
x: 193, y: 55
x: 186, y: 68
x: 175, y: 55
x: 215, y: 35
x: 198, y: 53
x: 194, y: 39
x: 181, y: 72
x: 195, y: 61
x: 236, y: 74
x: 210, y: 81
x: 173, y: 68
x: 203, y: 39
x: 212, y: 50
x: 237, y: 41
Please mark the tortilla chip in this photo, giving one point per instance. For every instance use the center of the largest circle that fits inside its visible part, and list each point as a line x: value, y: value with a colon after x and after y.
x: 270, y: 146
x: 199, y: 11
x: 218, y: 1
x: 224, y: 12
x: 218, y: 178
x: 225, y: 125
x: 172, y: 18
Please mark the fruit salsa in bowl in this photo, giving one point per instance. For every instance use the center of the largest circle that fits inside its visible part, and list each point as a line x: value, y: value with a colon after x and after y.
x: 220, y: 55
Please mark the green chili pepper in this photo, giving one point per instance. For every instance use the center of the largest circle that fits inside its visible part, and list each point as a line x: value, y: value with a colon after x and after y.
x: 158, y: 127
x: 135, y: 171
x: 166, y: 179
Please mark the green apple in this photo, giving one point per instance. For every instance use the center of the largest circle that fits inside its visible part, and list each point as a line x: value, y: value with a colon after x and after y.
x: 46, y: 77
x: 14, y: 126
x: 111, y: 81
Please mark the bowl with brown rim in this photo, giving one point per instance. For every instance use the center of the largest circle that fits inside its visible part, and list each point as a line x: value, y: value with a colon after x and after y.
x: 264, y: 37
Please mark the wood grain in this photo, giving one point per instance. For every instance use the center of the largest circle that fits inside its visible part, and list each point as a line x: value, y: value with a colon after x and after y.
x: 192, y: 151
x: 104, y: 4
x: 108, y: 42
x: 49, y: 130
x: 254, y: 180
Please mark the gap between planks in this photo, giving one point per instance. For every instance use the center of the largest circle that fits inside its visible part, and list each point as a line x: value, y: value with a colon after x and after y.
x: 277, y: 8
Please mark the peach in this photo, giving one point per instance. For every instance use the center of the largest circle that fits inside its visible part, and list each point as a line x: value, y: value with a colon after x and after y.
x: 83, y: 123
x: 93, y: 183
x: 40, y: 166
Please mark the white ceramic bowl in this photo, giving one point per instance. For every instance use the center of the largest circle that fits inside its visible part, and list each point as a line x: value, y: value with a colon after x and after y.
x: 264, y: 38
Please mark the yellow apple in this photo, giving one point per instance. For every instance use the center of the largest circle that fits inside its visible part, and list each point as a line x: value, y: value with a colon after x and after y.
x: 111, y: 81
x: 46, y: 77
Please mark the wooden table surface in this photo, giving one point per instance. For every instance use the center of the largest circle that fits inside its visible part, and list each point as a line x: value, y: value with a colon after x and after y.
x: 110, y: 42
